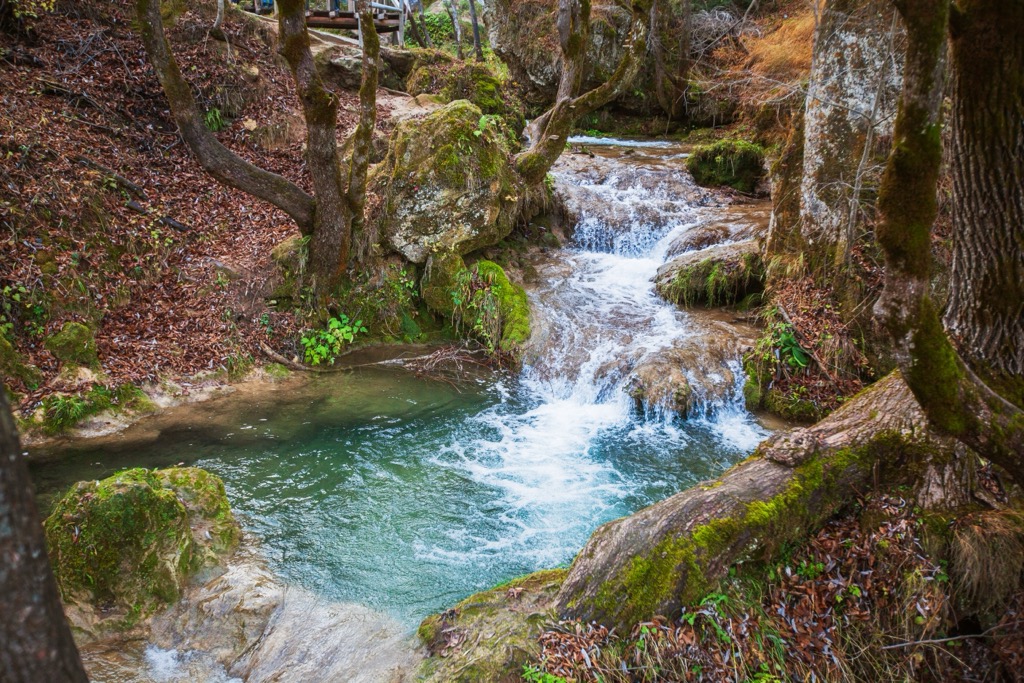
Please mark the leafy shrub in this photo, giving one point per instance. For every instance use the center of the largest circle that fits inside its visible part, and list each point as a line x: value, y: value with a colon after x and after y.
x: 325, y: 345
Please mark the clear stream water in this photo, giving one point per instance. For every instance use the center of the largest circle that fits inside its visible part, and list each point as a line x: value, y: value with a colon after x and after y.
x: 405, y: 494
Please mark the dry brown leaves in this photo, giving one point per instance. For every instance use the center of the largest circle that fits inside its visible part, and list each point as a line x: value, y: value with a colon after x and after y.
x: 860, y: 600
x: 157, y: 295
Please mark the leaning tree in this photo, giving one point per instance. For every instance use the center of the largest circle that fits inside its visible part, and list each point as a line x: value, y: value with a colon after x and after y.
x: 335, y: 210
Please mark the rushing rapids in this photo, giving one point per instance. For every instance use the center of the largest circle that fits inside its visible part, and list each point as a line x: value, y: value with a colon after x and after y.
x: 376, y: 498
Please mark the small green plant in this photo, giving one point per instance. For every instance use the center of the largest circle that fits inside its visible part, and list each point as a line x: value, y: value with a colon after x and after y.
x: 790, y: 351
x: 61, y: 412
x: 214, y: 120
x: 324, y: 345
x: 532, y: 674
x: 810, y: 570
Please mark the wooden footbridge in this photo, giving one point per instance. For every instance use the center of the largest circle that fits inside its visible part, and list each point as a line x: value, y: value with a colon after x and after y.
x: 388, y: 15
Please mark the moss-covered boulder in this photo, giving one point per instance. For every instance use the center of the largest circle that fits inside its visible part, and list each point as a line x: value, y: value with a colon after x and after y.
x: 489, y: 636
x: 480, y: 301
x: 735, y: 163
x: 711, y: 277
x: 74, y: 343
x: 447, y: 183
x: 438, y: 73
x: 512, y: 305
x: 125, y: 546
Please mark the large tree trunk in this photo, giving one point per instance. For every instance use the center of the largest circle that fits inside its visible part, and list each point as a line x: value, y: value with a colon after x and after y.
x: 956, y: 401
x: 220, y: 162
x: 986, y: 308
x: 851, y: 98
x: 549, y: 131
x: 673, y: 552
x: 35, y: 640
x: 332, y: 237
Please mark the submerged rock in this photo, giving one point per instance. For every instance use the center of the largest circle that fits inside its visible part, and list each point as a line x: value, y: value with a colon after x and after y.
x: 125, y: 546
x: 447, y: 184
x: 489, y: 636
x: 711, y: 277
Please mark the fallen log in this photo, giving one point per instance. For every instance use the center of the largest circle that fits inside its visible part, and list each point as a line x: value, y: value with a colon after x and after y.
x: 674, y: 552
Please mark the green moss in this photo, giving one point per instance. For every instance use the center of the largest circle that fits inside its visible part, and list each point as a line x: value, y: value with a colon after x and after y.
x: 276, y: 371
x: 513, y: 305
x: 736, y: 163
x: 714, y: 281
x: 11, y: 365
x: 74, y: 343
x: 438, y: 73
x: 125, y: 543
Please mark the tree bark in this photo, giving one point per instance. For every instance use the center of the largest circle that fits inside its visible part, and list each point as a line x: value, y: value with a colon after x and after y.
x: 217, y: 29
x: 956, y: 401
x: 675, y: 551
x: 549, y: 131
x: 35, y: 640
x: 426, y: 33
x: 220, y: 162
x: 985, y: 314
x: 363, y: 137
x: 476, y: 31
x: 331, y: 239
x: 453, y: 12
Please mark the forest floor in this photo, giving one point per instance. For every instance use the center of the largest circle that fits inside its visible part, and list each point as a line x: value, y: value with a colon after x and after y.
x: 863, y: 599
x: 109, y: 220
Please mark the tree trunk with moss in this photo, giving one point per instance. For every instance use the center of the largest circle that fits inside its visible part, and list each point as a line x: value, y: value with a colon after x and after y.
x: 328, y: 217
x: 35, y: 640
x: 548, y: 132
x: 675, y: 551
x: 955, y: 400
x: 985, y: 314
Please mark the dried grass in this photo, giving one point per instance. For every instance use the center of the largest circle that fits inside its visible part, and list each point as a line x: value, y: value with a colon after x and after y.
x: 987, y: 553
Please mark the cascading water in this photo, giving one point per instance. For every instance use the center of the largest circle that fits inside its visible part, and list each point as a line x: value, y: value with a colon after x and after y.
x: 392, y: 493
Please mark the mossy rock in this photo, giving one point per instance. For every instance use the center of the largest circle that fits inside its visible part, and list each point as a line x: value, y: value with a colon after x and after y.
x: 717, y: 276
x: 74, y: 343
x: 127, y: 545
x: 438, y: 73
x: 440, y: 280
x: 489, y: 636
x: 513, y: 306
x: 734, y: 163
x: 11, y: 365
x: 447, y: 184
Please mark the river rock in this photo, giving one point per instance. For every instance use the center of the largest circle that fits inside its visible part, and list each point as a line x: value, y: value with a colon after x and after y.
x: 447, y: 184
x: 696, y: 373
x: 261, y: 630
x: 711, y: 277
x: 734, y: 223
x: 125, y: 546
